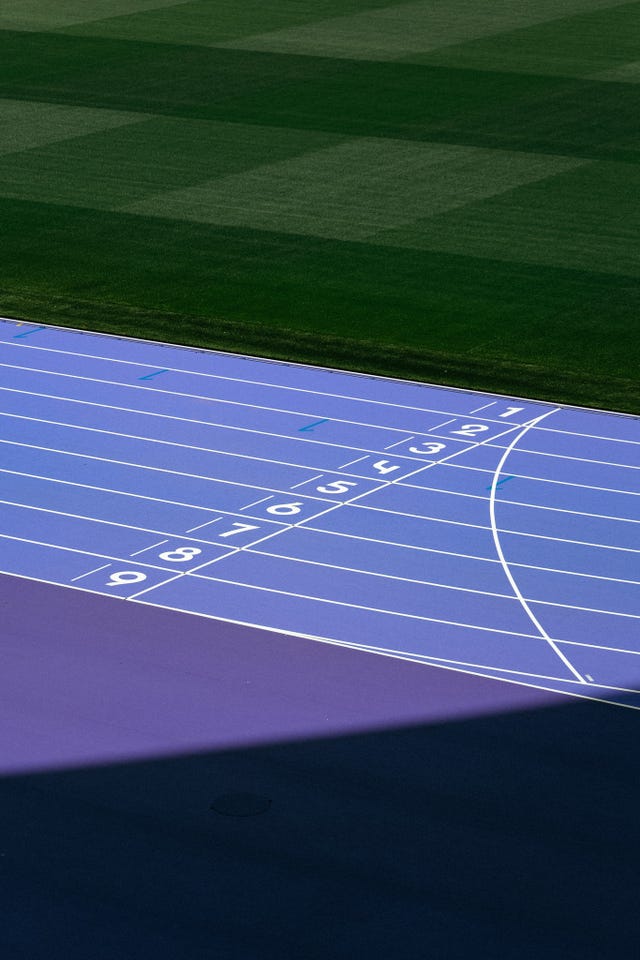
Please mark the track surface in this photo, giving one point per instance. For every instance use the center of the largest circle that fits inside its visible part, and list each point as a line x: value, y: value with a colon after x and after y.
x: 486, y: 534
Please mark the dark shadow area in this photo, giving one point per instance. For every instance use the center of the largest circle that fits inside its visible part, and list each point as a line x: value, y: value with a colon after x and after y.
x: 511, y: 836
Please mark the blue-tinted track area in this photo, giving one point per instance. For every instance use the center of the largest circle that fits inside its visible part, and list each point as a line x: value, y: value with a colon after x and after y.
x: 488, y: 534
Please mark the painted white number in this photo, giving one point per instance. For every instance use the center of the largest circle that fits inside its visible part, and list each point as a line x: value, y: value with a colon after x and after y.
x: 510, y: 411
x: 242, y: 528
x: 381, y: 467
x: 126, y: 576
x: 180, y: 554
x: 285, y: 509
x: 470, y: 429
x: 336, y: 486
x: 428, y: 448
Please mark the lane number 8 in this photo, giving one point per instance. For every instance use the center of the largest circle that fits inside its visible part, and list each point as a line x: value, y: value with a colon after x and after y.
x: 180, y: 554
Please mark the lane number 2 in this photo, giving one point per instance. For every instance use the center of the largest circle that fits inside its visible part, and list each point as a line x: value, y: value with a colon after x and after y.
x: 471, y: 429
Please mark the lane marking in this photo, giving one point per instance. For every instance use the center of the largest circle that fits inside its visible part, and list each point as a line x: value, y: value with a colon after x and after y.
x: 498, y: 484
x: 351, y: 463
x: 144, y: 549
x: 440, y: 425
x: 82, y: 575
x: 256, y: 502
x: 309, y: 426
x: 566, y: 456
x: 27, y: 333
x: 304, y: 482
x: 499, y: 551
x: 397, y: 444
x: 201, y: 525
x: 150, y: 376
x: 478, y: 409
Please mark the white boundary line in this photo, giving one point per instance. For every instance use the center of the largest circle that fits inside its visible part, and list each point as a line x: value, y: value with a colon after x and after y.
x: 259, y: 383
x: 579, y: 693
x: 505, y: 566
x: 310, y: 366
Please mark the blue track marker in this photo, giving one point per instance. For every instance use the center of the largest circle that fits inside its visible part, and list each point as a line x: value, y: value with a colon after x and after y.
x: 27, y: 333
x: 500, y: 482
x: 150, y: 375
x: 310, y: 426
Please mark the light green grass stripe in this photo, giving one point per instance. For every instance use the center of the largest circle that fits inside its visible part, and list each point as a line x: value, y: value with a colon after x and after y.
x: 601, y: 44
x: 108, y: 169
x: 211, y: 22
x: 400, y: 30
x: 585, y: 219
x: 49, y: 14
x: 26, y: 124
x: 355, y: 190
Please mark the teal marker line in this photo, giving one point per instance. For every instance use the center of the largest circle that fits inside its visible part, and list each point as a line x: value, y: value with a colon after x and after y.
x: 310, y: 426
x: 504, y: 480
x: 149, y: 375
x: 27, y: 333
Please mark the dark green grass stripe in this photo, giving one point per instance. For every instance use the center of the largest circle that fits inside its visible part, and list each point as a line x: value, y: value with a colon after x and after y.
x: 517, y: 328
x: 415, y: 102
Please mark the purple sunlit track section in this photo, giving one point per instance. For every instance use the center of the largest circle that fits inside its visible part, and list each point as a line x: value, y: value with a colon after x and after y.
x: 88, y: 680
x: 491, y: 535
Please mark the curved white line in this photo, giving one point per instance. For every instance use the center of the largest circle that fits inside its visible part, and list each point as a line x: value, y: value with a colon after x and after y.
x: 501, y: 557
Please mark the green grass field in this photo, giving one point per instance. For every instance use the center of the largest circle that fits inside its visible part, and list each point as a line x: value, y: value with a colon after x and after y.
x: 446, y: 190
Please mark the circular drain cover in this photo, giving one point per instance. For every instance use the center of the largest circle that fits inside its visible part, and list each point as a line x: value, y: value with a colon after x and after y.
x: 240, y: 804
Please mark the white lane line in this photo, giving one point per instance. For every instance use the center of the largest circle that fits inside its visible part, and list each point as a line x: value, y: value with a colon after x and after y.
x: 304, y: 482
x: 578, y: 693
x: 571, y: 606
x: 175, y: 535
x: 259, y: 383
x: 359, y: 606
x: 494, y: 672
x: 281, y: 528
x: 566, y: 456
x: 351, y: 463
x: 144, y: 466
x: 173, y: 443
x: 201, y: 525
x: 505, y: 565
x: 195, y: 396
x: 600, y: 646
x: 440, y: 425
x: 209, y: 423
x: 511, y: 503
x: 234, y: 513
x: 404, y: 440
x: 83, y: 575
x: 163, y: 583
x: 478, y: 409
x: 144, y: 550
x: 589, y: 436
x: 524, y: 476
x: 256, y: 502
x: 84, y: 553
x: 372, y: 573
